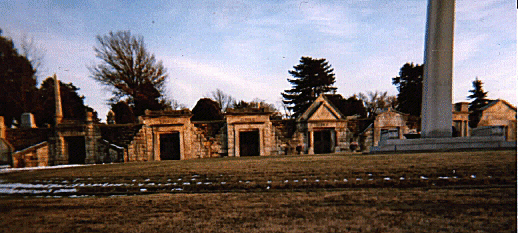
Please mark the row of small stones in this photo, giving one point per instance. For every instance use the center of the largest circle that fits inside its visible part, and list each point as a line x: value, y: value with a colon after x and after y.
x: 197, y: 177
x: 17, y: 188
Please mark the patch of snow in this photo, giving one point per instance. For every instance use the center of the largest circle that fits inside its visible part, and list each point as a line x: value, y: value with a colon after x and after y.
x: 386, y: 178
x: 358, y: 178
x: 72, y: 190
x: 443, y: 177
x: 424, y: 178
x: 7, y: 170
x: 345, y: 180
x: 147, y: 180
x: 269, y: 182
x: 473, y: 176
x: 296, y: 181
x: 207, y: 183
x: 143, y: 190
x: 199, y: 183
x: 317, y: 180
x: 223, y: 182
x: 186, y: 183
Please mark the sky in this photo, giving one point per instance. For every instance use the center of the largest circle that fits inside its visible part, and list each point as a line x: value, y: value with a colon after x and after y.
x: 245, y: 48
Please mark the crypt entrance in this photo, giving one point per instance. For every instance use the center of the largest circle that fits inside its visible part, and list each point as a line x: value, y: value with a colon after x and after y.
x: 170, y: 146
x: 324, y: 141
x: 75, y: 149
x: 249, y: 143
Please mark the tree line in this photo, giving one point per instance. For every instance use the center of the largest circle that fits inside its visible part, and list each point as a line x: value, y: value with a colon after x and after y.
x: 137, y: 82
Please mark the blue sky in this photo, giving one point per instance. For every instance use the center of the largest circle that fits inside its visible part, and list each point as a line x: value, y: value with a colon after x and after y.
x: 246, y: 48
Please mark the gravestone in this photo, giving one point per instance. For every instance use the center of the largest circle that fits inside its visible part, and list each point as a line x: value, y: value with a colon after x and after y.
x: 28, y: 120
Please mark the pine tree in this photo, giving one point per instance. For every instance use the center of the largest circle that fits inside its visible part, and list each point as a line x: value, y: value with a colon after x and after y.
x: 17, y: 82
x: 410, y: 86
x: 311, y: 78
x: 479, y: 100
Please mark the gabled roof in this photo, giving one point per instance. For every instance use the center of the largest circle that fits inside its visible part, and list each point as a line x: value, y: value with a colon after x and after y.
x: 323, y: 108
x: 494, y: 102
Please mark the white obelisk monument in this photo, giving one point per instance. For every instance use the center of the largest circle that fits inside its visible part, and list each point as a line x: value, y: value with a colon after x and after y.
x: 436, y: 108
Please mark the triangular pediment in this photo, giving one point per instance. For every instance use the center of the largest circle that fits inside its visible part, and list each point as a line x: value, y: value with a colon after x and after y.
x: 321, y: 109
x: 323, y: 113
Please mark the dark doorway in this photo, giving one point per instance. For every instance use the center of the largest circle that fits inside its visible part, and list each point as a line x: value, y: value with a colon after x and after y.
x: 249, y: 143
x: 170, y: 146
x: 76, y: 150
x: 322, y: 141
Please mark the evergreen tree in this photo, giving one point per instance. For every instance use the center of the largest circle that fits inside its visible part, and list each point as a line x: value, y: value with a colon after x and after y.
x: 17, y: 82
x: 311, y: 78
x: 123, y: 113
x: 206, y: 110
x: 479, y: 100
x: 410, y: 86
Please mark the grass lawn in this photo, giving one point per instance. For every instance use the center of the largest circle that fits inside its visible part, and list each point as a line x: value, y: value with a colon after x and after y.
x: 436, y: 192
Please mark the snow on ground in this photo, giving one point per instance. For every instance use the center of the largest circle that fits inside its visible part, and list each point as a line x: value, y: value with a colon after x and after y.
x: 7, y: 170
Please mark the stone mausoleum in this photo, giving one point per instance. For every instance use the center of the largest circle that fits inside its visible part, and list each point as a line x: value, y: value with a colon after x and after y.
x: 183, y: 134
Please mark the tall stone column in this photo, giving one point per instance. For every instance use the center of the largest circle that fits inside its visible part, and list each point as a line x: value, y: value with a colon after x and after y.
x: 436, y: 116
x: 311, y: 142
x: 57, y: 99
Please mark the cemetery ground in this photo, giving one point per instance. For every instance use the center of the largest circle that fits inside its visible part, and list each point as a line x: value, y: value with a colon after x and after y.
x: 472, y: 191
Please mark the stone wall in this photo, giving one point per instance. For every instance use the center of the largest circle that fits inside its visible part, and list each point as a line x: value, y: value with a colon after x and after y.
x: 34, y: 156
x: 22, y: 138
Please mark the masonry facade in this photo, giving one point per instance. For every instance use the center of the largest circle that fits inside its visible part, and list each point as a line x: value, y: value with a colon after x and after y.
x: 178, y: 135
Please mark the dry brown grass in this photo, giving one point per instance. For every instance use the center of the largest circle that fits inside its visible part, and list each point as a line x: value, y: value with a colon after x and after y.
x: 486, y: 203
x: 356, y: 210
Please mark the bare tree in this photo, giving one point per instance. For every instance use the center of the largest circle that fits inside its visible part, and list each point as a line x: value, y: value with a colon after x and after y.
x: 223, y: 99
x: 130, y: 71
x: 33, y: 53
x: 376, y: 101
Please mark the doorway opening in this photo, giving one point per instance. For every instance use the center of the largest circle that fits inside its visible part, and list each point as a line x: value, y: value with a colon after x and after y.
x: 323, y: 141
x: 170, y: 146
x: 249, y: 143
x: 76, y: 151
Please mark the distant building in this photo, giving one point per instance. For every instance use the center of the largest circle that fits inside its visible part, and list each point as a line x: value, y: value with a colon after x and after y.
x: 252, y: 131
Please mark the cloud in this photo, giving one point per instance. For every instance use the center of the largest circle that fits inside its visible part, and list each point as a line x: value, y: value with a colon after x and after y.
x: 329, y: 19
x: 466, y: 48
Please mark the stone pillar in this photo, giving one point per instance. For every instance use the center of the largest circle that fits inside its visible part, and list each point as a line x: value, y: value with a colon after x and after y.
x: 57, y: 99
x: 436, y: 115
x: 311, y: 142
x: 91, y: 137
x: 2, y: 127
